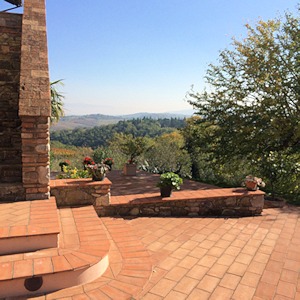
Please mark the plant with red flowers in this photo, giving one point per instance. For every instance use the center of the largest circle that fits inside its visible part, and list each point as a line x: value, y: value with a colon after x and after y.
x: 88, y: 161
x: 108, y: 161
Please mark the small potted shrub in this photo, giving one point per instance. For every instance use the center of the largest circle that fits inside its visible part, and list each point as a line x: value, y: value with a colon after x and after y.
x: 253, y: 183
x: 133, y: 148
x: 97, y: 171
x: 167, y: 182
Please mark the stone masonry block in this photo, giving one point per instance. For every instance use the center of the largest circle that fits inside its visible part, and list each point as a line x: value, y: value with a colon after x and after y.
x: 257, y: 202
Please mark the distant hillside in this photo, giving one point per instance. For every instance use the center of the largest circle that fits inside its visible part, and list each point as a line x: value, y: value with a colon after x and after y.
x: 102, y: 135
x: 89, y: 121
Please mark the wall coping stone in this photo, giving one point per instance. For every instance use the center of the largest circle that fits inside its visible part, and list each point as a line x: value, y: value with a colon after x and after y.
x: 78, y: 182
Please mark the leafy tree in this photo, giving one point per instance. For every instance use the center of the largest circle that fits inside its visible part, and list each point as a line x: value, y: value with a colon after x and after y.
x: 57, y: 104
x: 253, y: 105
x: 131, y: 146
x: 168, y: 154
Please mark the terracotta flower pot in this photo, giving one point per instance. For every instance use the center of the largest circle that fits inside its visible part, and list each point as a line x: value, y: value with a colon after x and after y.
x: 251, y: 185
x: 129, y: 169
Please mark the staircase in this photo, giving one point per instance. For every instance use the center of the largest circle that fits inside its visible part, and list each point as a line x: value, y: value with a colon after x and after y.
x: 45, y: 249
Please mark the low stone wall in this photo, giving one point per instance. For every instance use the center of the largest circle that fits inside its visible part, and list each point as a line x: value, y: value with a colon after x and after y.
x: 11, y: 192
x: 246, y: 205
x: 77, y: 192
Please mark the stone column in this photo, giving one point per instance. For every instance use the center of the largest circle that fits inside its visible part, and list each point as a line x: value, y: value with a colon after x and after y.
x: 10, y: 132
x: 34, y: 101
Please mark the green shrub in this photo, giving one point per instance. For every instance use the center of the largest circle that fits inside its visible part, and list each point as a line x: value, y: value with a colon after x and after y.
x: 170, y: 179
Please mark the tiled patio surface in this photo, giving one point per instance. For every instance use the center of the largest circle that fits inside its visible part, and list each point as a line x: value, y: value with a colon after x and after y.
x: 216, y: 258
x: 27, y: 218
x: 196, y: 258
x: 142, y: 189
x: 200, y: 258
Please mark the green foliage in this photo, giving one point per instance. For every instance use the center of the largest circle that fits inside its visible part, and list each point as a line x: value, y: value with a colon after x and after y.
x: 99, y: 155
x: 253, y: 106
x: 170, y: 179
x: 130, y: 146
x: 60, y: 152
x: 73, y: 173
x: 255, y: 97
x: 167, y: 154
x: 282, y: 173
x: 101, y: 135
x: 57, y: 104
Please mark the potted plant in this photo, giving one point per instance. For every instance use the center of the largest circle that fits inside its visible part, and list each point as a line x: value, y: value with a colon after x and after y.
x: 64, y: 164
x: 133, y: 147
x: 98, y: 171
x: 109, y: 162
x: 87, y: 161
x: 252, y: 183
x: 167, y: 182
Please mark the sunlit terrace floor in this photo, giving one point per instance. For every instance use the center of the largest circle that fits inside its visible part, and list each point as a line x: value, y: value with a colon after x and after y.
x: 195, y: 258
x: 143, y: 186
x: 215, y: 258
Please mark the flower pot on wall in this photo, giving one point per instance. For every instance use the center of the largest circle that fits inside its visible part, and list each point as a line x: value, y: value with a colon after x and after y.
x: 98, y: 177
x: 129, y: 169
x: 166, y: 191
x: 251, y: 185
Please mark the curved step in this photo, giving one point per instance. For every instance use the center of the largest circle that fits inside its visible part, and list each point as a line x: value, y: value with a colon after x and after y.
x: 82, y: 256
x: 129, y: 271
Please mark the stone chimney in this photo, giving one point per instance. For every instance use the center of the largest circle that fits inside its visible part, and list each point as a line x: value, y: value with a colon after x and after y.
x: 24, y: 84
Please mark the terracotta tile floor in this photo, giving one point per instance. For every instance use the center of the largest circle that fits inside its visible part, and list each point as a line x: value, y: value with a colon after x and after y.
x: 28, y: 218
x: 215, y: 258
x: 142, y: 188
x: 200, y: 258
x: 79, y: 247
x: 197, y: 258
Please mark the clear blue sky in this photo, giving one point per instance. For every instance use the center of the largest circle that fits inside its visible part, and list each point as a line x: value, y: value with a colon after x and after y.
x: 120, y: 57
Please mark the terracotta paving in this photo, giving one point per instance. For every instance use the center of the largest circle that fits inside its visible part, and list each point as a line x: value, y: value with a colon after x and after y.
x: 200, y: 258
x: 130, y: 268
x: 82, y: 244
x: 23, y: 226
x: 142, y: 188
x: 27, y: 218
x: 196, y: 258
x: 215, y: 258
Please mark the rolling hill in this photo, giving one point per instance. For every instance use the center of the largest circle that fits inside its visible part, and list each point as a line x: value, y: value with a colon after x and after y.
x: 89, y: 121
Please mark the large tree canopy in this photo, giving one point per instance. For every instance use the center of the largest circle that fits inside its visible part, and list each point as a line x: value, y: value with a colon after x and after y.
x: 253, y: 102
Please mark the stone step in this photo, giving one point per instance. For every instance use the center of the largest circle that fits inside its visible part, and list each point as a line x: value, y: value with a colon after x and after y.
x: 28, y: 226
x: 128, y: 275
x: 82, y: 256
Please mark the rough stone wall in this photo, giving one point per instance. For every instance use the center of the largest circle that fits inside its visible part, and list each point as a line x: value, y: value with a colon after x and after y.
x: 250, y: 205
x: 34, y: 101
x: 76, y: 192
x: 10, y: 123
